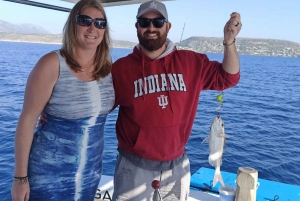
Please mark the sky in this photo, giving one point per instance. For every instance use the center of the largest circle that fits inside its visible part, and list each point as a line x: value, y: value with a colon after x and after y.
x: 267, y: 19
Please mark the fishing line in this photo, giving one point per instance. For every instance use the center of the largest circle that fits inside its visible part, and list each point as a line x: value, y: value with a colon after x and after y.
x: 220, y: 97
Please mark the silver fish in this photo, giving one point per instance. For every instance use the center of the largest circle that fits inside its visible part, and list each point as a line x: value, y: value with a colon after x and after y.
x: 216, y: 140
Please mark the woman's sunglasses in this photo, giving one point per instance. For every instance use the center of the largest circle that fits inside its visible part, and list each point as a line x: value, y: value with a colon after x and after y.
x: 84, y: 20
x: 157, y: 22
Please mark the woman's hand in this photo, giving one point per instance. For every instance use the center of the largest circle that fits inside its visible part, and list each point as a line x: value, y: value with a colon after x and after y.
x: 20, y: 191
x: 42, y: 119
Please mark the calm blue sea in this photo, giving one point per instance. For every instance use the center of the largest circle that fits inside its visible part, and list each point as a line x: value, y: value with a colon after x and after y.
x: 261, y: 115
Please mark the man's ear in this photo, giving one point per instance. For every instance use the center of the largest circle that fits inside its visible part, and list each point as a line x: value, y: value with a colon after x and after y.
x: 136, y: 25
x: 169, y: 25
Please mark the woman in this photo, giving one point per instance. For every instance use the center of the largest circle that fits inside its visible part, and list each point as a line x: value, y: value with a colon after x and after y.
x: 62, y: 160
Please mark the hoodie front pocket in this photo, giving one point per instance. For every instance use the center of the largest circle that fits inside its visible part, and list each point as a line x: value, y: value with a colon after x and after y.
x: 161, y: 143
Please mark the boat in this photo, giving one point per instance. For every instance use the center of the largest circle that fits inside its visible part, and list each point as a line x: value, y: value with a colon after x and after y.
x: 201, y: 188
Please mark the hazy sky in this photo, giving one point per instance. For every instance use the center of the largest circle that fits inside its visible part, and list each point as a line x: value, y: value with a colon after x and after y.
x: 273, y: 19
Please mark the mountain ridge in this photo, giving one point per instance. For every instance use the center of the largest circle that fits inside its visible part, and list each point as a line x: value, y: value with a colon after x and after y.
x: 248, y: 46
x: 25, y: 28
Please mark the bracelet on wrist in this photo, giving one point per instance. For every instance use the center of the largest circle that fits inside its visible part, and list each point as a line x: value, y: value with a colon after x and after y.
x: 226, y: 45
x: 22, y: 180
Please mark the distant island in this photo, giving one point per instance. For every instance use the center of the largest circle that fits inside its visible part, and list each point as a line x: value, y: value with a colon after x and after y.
x: 246, y: 46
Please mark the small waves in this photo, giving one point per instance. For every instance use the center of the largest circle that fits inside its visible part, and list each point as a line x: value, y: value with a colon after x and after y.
x: 261, y: 116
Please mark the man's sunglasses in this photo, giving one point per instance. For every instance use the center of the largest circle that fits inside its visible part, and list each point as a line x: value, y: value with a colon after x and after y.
x: 84, y: 20
x: 157, y: 22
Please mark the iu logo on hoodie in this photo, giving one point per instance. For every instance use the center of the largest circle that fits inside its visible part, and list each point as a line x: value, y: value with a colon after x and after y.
x: 163, y: 101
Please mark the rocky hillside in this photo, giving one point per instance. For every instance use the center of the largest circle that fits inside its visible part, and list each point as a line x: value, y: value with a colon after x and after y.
x: 123, y: 44
x: 248, y: 46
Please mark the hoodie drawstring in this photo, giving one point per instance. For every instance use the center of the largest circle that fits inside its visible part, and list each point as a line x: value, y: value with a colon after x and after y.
x: 168, y: 85
x: 143, y: 76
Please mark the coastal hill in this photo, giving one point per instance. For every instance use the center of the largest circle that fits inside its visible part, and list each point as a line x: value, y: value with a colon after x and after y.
x: 247, y: 46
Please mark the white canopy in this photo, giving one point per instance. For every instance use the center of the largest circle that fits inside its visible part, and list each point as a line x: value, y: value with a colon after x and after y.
x: 106, y: 3
x: 51, y: 4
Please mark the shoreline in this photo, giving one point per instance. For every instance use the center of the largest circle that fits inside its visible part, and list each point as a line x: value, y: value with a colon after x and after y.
x: 18, y: 41
x: 119, y: 47
x: 46, y: 43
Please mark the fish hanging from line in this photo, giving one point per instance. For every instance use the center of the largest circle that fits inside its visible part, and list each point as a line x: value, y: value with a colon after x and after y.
x: 216, y: 141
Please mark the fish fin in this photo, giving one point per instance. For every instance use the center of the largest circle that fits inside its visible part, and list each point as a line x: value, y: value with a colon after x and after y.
x: 205, y: 140
x: 210, y: 161
x: 227, y: 136
x: 218, y: 177
x: 222, y: 135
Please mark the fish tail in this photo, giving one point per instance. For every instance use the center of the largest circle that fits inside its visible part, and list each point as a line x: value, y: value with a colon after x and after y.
x: 218, y: 177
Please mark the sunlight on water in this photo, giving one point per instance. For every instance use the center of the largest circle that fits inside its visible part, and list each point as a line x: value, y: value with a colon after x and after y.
x: 260, y: 115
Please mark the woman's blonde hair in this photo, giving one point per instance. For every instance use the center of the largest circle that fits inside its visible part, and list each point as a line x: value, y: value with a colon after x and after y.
x: 102, y: 58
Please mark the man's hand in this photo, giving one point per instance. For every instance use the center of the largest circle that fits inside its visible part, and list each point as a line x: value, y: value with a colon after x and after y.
x: 232, y: 28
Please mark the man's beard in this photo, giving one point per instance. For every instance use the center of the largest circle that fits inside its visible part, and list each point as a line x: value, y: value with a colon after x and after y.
x: 152, y: 44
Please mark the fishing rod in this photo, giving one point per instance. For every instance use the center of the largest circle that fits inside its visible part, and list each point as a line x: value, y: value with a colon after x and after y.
x: 182, y: 32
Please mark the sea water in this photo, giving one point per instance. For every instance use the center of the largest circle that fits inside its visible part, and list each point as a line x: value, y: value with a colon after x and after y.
x: 261, y: 115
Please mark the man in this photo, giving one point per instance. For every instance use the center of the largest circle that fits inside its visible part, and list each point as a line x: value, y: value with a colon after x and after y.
x: 157, y: 88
